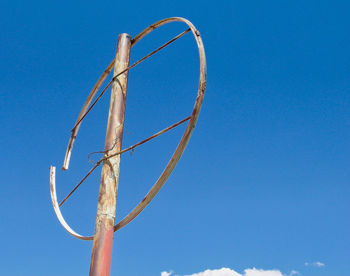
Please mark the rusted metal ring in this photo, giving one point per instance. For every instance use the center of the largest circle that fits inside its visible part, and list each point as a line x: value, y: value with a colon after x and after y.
x: 176, y: 155
x: 191, y: 124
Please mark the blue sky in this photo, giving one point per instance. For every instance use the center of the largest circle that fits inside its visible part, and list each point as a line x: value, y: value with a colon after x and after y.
x: 264, y: 181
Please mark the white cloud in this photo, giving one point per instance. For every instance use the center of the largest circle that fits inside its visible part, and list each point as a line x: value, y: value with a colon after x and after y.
x: 261, y: 272
x: 217, y: 272
x: 230, y: 272
x: 317, y: 264
x: 294, y: 272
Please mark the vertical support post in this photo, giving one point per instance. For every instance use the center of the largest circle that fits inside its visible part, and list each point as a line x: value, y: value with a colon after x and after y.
x: 106, y: 208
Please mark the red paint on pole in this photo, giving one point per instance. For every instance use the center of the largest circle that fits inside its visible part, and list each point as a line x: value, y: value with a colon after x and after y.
x: 101, y: 259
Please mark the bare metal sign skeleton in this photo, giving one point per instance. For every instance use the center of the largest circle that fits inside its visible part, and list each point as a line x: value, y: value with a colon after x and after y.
x: 106, y: 208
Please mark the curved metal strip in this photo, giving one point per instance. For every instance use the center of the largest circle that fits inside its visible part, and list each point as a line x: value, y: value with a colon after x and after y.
x: 58, y: 210
x: 82, y: 112
x: 185, y: 138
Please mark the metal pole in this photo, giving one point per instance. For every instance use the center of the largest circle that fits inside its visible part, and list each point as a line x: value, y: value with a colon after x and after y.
x: 106, y: 208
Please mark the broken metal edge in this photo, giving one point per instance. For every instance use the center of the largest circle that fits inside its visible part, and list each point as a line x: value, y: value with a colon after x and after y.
x: 82, y: 112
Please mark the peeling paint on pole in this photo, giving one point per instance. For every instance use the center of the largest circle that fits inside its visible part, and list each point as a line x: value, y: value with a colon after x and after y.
x: 106, y: 208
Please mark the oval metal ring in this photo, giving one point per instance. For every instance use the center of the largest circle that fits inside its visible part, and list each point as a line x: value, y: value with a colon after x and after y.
x: 176, y: 155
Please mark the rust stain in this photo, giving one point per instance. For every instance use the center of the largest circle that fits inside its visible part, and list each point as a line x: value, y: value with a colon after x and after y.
x: 106, y: 207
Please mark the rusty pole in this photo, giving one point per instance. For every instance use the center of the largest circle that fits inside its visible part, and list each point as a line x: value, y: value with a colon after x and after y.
x: 106, y: 208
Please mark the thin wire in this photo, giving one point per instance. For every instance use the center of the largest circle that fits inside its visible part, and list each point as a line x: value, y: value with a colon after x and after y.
x: 147, y: 139
x: 122, y: 151
x: 125, y: 70
x: 80, y: 182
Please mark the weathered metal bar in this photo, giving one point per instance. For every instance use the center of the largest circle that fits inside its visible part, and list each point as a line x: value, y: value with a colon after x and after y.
x: 149, y: 138
x: 80, y: 182
x: 120, y: 152
x: 106, y: 208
